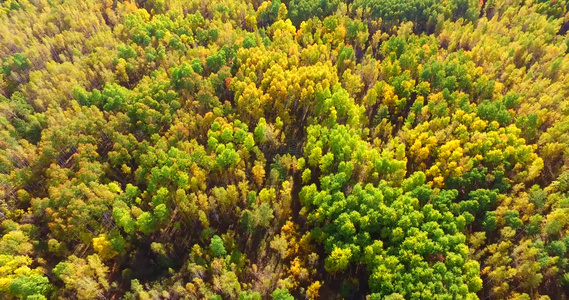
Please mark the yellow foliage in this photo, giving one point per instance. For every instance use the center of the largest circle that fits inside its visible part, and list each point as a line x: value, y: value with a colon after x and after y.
x: 312, y: 291
x: 439, y: 181
x: 103, y: 247
x: 258, y: 174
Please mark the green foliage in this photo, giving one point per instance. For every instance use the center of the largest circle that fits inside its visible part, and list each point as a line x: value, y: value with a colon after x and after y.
x: 145, y: 223
x: 338, y: 260
x: 286, y: 149
x: 29, y: 287
x: 281, y: 294
x: 424, y: 13
x: 302, y: 10
x: 216, y: 246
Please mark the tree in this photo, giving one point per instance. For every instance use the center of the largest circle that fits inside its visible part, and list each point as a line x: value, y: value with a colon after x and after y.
x: 338, y: 260
x: 281, y: 294
x: 104, y: 247
x: 216, y: 246
x: 30, y: 286
x: 85, y: 277
x: 145, y: 223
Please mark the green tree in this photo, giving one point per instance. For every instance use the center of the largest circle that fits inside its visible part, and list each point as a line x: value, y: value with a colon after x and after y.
x: 216, y: 246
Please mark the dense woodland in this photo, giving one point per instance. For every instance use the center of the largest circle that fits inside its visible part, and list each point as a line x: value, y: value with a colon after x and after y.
x: 294, y: 149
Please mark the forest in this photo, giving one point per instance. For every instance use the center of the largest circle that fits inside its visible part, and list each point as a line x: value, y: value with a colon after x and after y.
x: 284, y: 149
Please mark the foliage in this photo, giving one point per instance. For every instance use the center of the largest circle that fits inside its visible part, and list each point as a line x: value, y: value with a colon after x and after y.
x: 284, y: 149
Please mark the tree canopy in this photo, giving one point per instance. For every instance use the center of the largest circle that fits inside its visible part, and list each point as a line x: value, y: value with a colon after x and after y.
x: 284, y: 149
